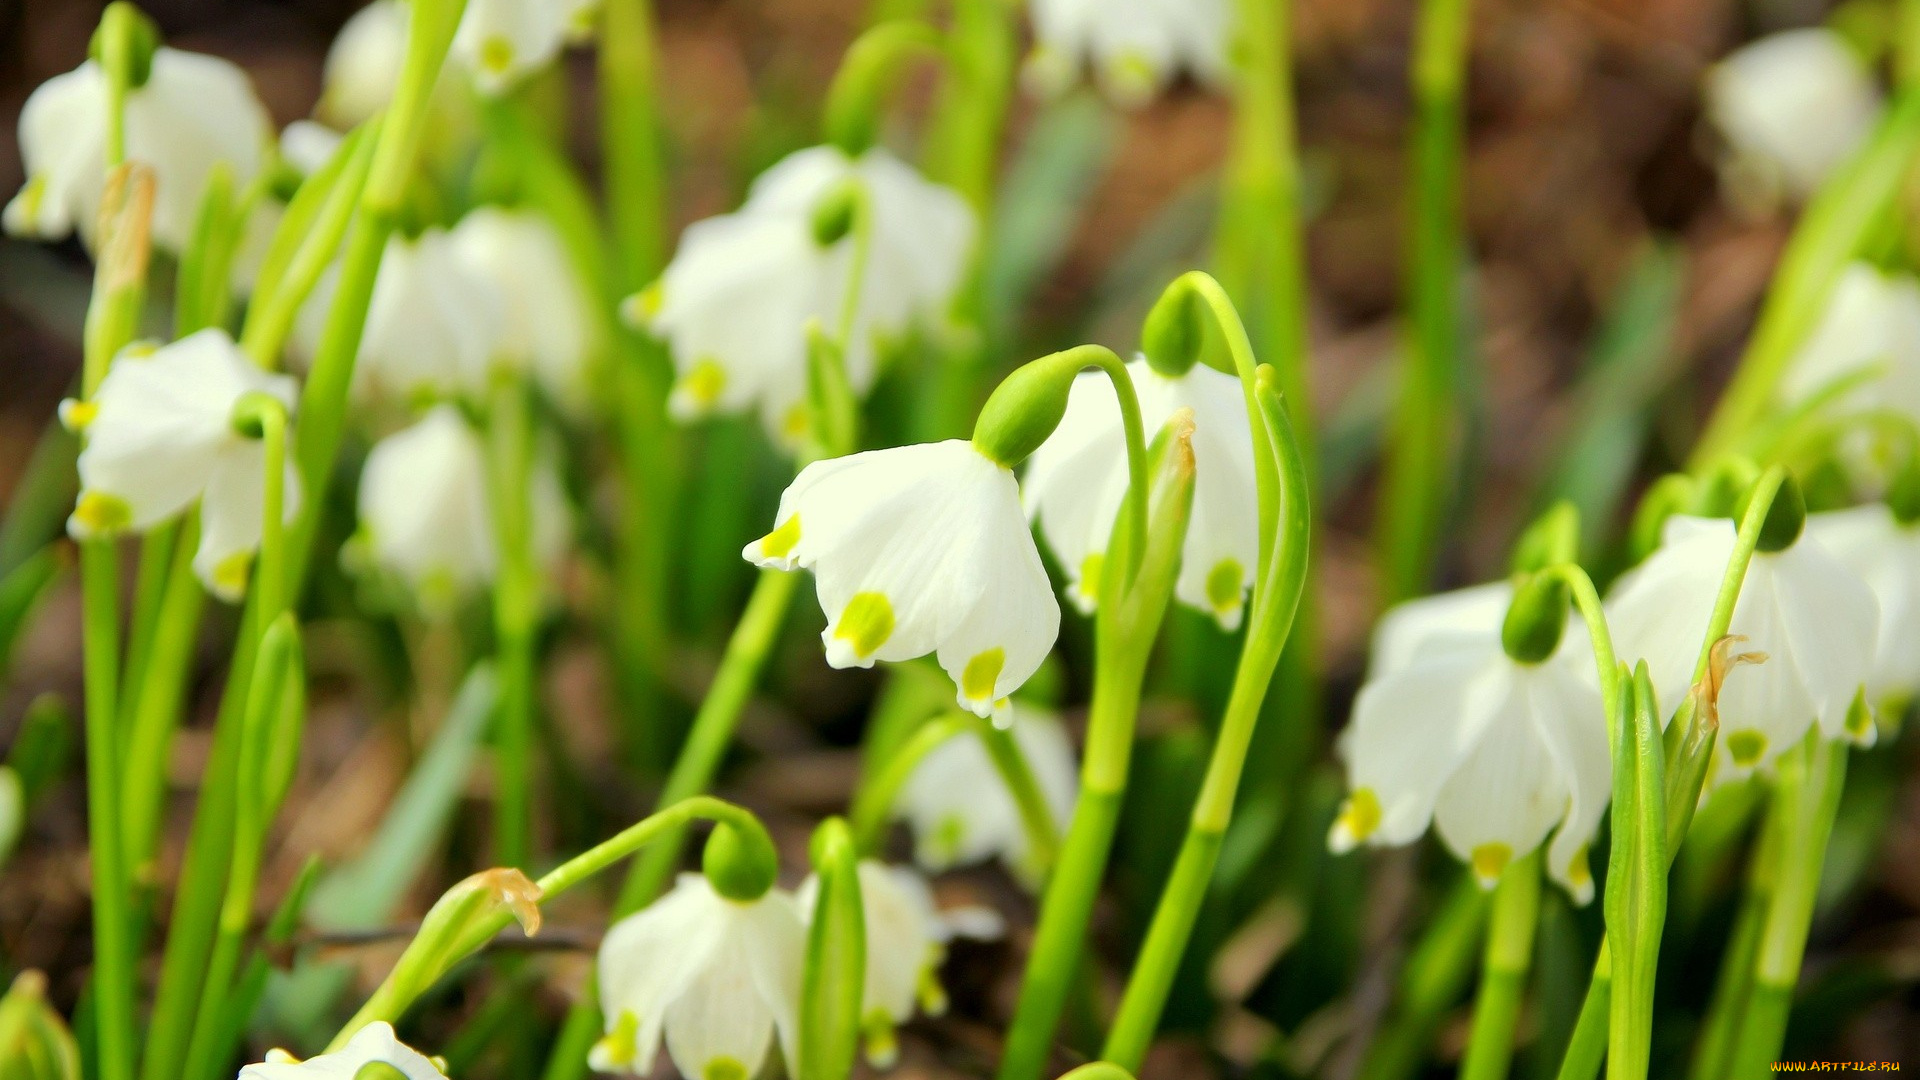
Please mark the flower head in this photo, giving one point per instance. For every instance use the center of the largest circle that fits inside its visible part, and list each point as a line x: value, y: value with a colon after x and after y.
x: 1134, y: 46
x: 734, y: 304
x: 1078, y: 478
x: 960, y: 809
x: 718, y: 979
x: 374, y: 1043
x: 502, y: 41
x: 1815, y: 621
x: 159, y: 435
x: 547, y: 315
x: 193, y: 113
x: 1885, y: 554
x: 1496, y: 753
x: 1871, y: 321
x: 920, y: 549
x: 363, y: 64
x: 1792, y: 107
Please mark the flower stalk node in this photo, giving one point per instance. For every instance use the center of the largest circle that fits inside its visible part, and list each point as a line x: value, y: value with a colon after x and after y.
x: 1173, y: 336
x: 124, y: 43
x: 1536, y: 619
x: 740, y: 862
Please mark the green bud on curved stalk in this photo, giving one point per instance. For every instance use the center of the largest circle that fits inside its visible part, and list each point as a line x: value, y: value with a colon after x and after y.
x: 740, y: 864
x: 1786, y: 516
x: 1723, y: 487
x: 123, y: 45
x: 1553, y: 537
x: 833, y: 980
x: 873, y: 65
x: 1173, y: 337
x: 1535, y: 619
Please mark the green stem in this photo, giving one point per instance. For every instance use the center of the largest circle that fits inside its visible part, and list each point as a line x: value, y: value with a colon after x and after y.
x: 515, y: 614
x: 156, y: 697
x: 1421, y: 453
x: 1503, y: 972
x: 1587, y: 1046
x: 113, y: 963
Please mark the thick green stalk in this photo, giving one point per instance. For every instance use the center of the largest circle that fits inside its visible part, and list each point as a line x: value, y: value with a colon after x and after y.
x: 1422, y: 449
x: 516, y: 609
x: 1503, y: 971
x: 156, y: 697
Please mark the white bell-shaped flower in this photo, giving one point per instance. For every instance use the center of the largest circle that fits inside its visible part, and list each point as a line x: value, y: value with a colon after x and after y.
x: 547, y: 310
x: 1792, y: 108
x: 159, y: 435
x: 719, y: 979
x: 1077, y: 480
x: 960, y: 810
x: 1885, y: 554
x: 1135, y: 47
x: 1814, y: 620
x: 502, y: 41
x: 1494, y: 752
x: 426, y: 508
x: 374, y: 1043
x: 907, y: 937
x: 920, y: 549
x: 1871, y: 321
x: 433, y: 327
x: 363, y: 65
x: 734, y: 303
x: 192, y: 113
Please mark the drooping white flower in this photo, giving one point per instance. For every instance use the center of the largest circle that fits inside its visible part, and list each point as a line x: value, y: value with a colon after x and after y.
x: 1792, y: 108
x: 363, y: 64
x: 426, y: 507
x: 1494, y: 752
x: 734, y: 303
x: 920, y: 549
x: 1871, y: 321
x: 960, y: 810
x: 1135, y: 47
x: 718, y: 978
x: 434, y: 325
x: 548, y: 321
x: 1077, y: 480
x: 906, y: 943
x: 159, y: 435
x: 192, y: 113
x: 502, y: 41
x: 374, y: 1043
x: 1885, y: 554
x: 308, y: 144
x: 1814, y: 620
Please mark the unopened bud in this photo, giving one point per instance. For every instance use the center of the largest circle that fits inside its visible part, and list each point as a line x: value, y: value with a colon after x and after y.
x: 1536, y: 619
x: 124, y: 44
x: 1173, y: 334
x: 838, y: 211
x: 740, y: 863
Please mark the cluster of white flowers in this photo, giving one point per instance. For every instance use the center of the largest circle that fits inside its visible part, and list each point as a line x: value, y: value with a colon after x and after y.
x: 735, y: 302
x: 1135, y: 47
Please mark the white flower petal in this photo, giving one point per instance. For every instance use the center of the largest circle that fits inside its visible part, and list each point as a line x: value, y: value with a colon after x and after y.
x: 1507, y: 792
x: 1792, y: 106
x: 233, y: 517
x: 424, y: 506
x: 1886, y: 555
x: 650, y: 958
x: 1135, y: 46
x: 549, y: 324
x: 500, y: 42
x: 375, y: 1042
x: 363, y: 64
x: 961, y: 811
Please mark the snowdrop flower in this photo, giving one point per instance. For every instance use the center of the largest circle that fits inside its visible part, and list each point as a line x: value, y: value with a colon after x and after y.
x: 734, y: 303
x: 374, y: 1043
x: 920, y: 549
x: 1792, y: 108
x: 192, y: 113
x: 1134, y: 46
x: 547, y: 316
x: 363, y: 64
x: 434, y: 325
x: 907, y: 940
x: 719, y: 979
x: 960, y: 810
x: 159, y: 435
x: 426, y: 508
x: 1872, y: 320
x: 1885, y: 553
x: 1494, y: 751
x: 502, y: 41
x: 1814, y: 620
x: 1078, y: 478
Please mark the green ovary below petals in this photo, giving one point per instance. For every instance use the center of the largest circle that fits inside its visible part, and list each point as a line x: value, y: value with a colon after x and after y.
x: 1859, y: 722
x: 780, y: 543
x: 1746, y: 747
x: 724, y: 1068
x: 1223, y: 587
x: 982, y: 673
x: 866, y: 623
x: 100, y: 514
x: 1489, y: 861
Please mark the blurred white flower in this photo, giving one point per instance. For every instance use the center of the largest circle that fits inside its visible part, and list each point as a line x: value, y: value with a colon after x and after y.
x: 718, y: 978
x: 363, y: 64
x: 546, y: 309
x: 193, y: 112
x: 1135, y: 47
x: 308, y: 144
x: 960, y: 810
x: 1885, y: 554
x: 1814, y: 620
x: 500, y: 42
x: 734, y: 303
x: 434, y: 325
x: 374, y: 1043
x: 907, y: 938
x: 916, y: 549
x: 1494, y: 752
x: 426, y: 508
x: 1792, y: 107
x: 1871, y: 321
x: 159, y: 434
x: 1077, y: 480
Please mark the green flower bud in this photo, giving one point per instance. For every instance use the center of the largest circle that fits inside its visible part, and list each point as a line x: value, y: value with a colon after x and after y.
x: 249, y: 417
x: 740, y: 863
x: 1785, y: 518
x: 1026, y: 407
x: 1553, y: 538
x: 1174, y: 335
x: 124, y: 44
x: 837, y: 212
x: 1903, y: 494
x: 1536, y: 619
